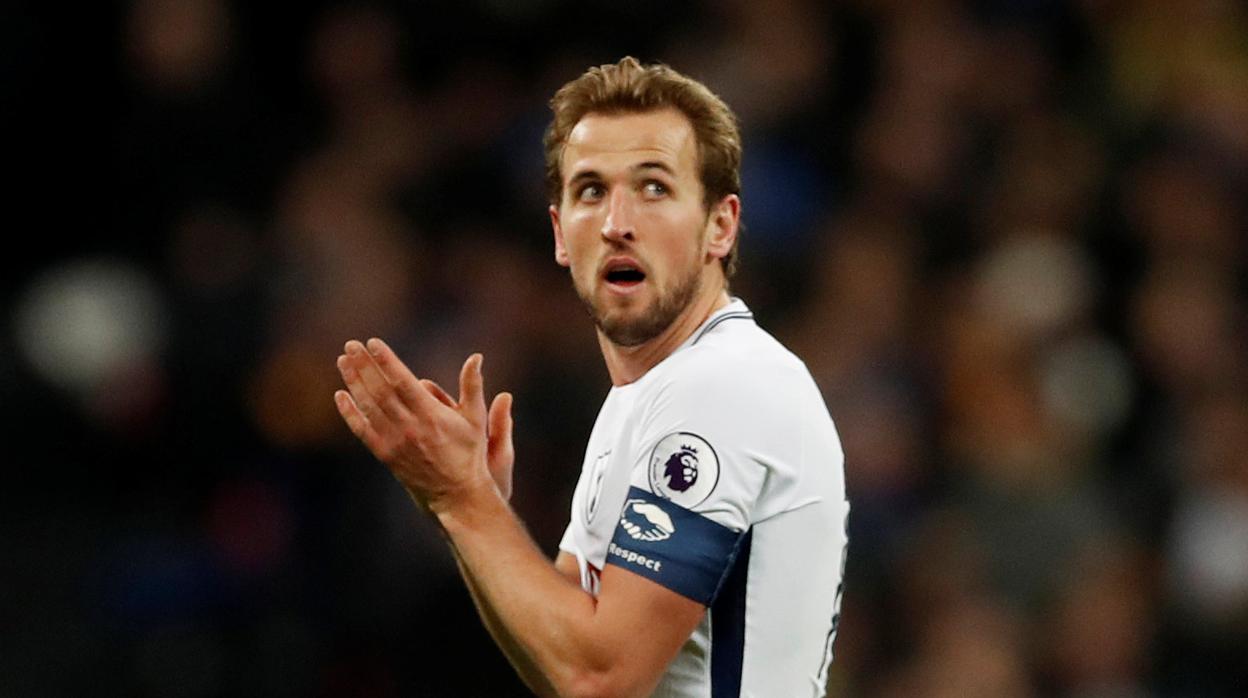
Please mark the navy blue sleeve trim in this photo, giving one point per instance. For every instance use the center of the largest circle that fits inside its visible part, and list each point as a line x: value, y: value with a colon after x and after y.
x: 728, y: 626
x: 673, y: 546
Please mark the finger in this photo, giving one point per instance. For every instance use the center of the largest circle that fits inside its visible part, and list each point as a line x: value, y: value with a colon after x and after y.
x: 415, y: 398
x: 375, y: 383
x: 472, y: 390
x: 360, y: 398
x: 356, y: 421
x: 395, y: 371
x: 437, y: 391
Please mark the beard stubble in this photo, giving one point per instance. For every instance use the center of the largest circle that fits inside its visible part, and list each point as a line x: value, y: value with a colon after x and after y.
x: 663, y: 311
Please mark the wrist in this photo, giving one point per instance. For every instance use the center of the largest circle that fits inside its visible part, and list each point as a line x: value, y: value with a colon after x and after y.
x: 465, y: 504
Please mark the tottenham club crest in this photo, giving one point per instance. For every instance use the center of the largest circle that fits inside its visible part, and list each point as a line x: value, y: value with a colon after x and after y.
x: 683, y: 468
x: 594, y: 492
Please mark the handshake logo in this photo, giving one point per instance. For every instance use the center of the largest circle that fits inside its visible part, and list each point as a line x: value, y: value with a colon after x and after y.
x: 645, y: 521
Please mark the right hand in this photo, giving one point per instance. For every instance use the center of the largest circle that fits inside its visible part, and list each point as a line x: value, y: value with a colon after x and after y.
x: 500, y: 453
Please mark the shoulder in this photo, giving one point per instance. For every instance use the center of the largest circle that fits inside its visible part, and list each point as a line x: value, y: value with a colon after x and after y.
x: 737, y: 362
x: 737, y: 386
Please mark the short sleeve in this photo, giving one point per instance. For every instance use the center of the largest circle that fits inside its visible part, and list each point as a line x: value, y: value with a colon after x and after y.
x: 694, y: 486
x: 567, y: 543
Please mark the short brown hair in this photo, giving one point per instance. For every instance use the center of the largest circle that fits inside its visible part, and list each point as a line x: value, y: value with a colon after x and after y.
x: 627, y: 87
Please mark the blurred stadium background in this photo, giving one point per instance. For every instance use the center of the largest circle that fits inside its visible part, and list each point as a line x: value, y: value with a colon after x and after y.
x: 1009, y: 239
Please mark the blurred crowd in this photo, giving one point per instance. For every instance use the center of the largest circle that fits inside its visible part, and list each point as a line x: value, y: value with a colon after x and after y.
x: 1009, y: 239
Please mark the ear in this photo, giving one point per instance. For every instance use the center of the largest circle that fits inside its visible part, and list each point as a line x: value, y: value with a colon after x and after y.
x: 561, y: 252
x: 722, y: 225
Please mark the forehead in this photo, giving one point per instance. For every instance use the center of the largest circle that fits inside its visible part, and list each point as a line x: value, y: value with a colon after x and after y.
x: 621, y: 140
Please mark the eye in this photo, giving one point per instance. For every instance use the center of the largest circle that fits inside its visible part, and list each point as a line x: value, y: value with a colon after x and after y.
x: 654, y: 189
x: 591, y: 191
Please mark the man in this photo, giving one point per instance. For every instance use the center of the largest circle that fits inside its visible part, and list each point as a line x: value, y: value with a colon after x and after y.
x: 706, y: 547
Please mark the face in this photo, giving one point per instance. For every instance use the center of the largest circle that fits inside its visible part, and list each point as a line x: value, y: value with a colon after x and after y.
x: 632, y: 226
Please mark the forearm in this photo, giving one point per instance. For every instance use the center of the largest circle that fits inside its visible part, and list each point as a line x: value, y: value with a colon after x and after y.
x: 524, y: 665
x: 550, y: 619
x: 442, y: 452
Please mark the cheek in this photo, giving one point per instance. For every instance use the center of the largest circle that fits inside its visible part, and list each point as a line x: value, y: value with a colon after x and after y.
x: 576, y: 229
x: 580, y: 246
x: 581, y: 228
x: 682, y: 241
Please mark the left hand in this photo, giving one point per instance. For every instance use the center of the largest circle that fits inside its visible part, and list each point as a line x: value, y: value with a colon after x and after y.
x: 435, y: 447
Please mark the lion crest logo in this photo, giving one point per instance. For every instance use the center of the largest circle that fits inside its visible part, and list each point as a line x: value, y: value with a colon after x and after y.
x: 681, y: 469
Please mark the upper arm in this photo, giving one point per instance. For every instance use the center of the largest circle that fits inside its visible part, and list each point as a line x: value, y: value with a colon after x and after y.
x: 641, y: 625
x: 638, y: 626
x: 693, y: 495
x: 664, y: 567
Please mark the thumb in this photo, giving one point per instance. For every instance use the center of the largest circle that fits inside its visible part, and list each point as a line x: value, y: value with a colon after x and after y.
x: 500, y: 453
x: 500, y: 423
x: 472, y: 390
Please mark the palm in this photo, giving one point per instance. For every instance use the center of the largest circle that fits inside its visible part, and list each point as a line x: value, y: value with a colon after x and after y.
x: 435, y: 445
x: 500, y: 452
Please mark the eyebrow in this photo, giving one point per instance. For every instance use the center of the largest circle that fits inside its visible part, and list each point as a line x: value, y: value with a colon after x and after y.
x: 648, y: 165
x: 655, y: 165
x: 590, y: 175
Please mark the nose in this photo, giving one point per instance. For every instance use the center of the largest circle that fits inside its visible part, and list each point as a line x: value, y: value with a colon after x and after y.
x: 618, y: 225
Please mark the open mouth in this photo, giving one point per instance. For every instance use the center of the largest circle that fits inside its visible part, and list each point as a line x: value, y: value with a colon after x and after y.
x: 624, y: 274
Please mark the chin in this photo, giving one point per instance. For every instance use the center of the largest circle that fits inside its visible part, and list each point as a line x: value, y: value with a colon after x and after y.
x: 636, y: 324
x: 632, y: 319
x: 629, y: 334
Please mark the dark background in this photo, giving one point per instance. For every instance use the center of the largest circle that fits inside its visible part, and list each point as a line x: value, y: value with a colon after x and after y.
x: 1008, y: 238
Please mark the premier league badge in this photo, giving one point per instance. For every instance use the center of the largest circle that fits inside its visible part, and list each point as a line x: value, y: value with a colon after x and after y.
x: 683, y: 468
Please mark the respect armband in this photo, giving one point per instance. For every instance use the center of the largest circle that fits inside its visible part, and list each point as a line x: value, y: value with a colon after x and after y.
x: 679, y: 549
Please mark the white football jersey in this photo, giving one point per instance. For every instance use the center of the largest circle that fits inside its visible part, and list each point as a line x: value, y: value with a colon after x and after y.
x: 719, y: 475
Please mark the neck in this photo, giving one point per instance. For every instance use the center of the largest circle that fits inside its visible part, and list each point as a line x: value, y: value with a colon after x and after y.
x: 627, y: 364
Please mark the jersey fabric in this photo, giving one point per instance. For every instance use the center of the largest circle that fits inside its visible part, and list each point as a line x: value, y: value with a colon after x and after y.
x: 719, y: 475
